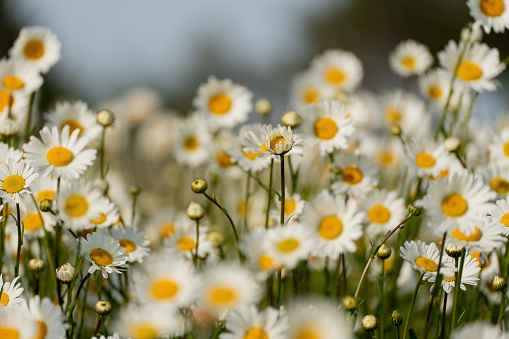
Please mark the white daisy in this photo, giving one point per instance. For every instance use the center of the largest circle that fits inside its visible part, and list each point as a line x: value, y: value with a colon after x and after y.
x: 500, y: 214
x: 33, y: 219
x: 384, y: 210
x: 280, y: 141
x: 486, y: 236
x: 10, y: 292
x: 327, y: 126
x: 426, y: 158
x: 294, y: 205
x: 223, y: 163
x: 18, y: 76
x: 410, y: 58
x: 247, y: 323
x: 108, y: 214
x: 134, y: 242
x: 290, y: 244
x: 223, y: 103
x: 193, y: 142
x: 15, y: 324
x: 496, y: 175
x: 491, y: 14
x: 435, y: 85
x: 104, y: 253
x: 183, y: 241
x: 14, y: 102
x: 7, y: 152
x: 249, y: 161
x: 338, y: 69
x: 256, y: 248
x: 307, y: 88
x: 48, y: 319
x: 37, y: 46
x: 359, y: 109
x: 15, y: 178
x: 336, y: 224
x: 44, y: 188
x: 499, y: 147
x: 161, y: 224
x: 60, y: 155
x: 425, y: 258
x: 358, y: 175
x: 468, y: 275
x: 479, y: 330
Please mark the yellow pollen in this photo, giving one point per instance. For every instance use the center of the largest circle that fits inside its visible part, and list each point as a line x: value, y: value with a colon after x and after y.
x: 310, y: 96
x: 242, y: 208
x: 351, y: 175
x: 143, y: 331
x: 4, y: 299
x: 425, y: 160
x: 428, y: 264
x: 290, y: 206
x: 330, y: 227
x: 32, y: 222
x: 256, y: 333
x: 251, y: 156
x: 164, y: 289
x: 434, y: 92
x: 46, y: 194
x: 9, y: 333
x: 191, y: 143
x: 265, y: 262
x: 129, y: 245
x: 76, y: 206
x: 276, y: 141
x: 379, y: 214
x: 166, y: 229
x: 13, y: 184
x: 222, y: 295
x: 59, y: 156
x: 499, y: 185
x: 449, y: 279
x: 506, y: 149
x: 474, y: 236
x: 325, y: 128
x: 392, y: 115
x: 42, y: 330
x: 186, y: 244
x: 492, y: 8
x: 224, y: 160
x: 102, y: 218
x: 73, y: 125
x: 101, y: 257
x: 335, y: 76
x: 220, y: 104
x: 12, y: 82
x: 6, y: 99
x: 408, y: 62
x: 34, y: 50
x: 288, y: 245
x: 468, y: 71
x: 454, y: 205
x: 307, y: 334
x: 505, y: 219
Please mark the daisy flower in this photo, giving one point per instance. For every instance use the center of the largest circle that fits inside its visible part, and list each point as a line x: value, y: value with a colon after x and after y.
x: 496, y: 175
x: 478, y: 66
x: 499, y: 147
x: 290, y: 244
x: 384, y: 210
x: 336, y: 224
x: 37, y: 46
x: 249, y: 161
x: 223, y: 162
x: 44, y: 188
x: 307, y: 88
x: 410, y: 58
x: 479, y: 330
x: 183, y: 241
x: 18, y: 76
x: 426, y: 158
x: 14, y: 324
x: 47, y: 318
x: 104, y: 253
x: 294, y: 206
x: 60, y: 154
x: 108, y: 215
x: 256, y: 249
x: 33, y: 220
x: 338, y: 69
x: 435, y: 85
x: 161, y: 224
x: 359, y: 109
x: 486, y: 236
x: 491, y: 14
x: 168, y: 280
x: 280, y: 141
x: 193, y: 142
x: 223, y: 103
x: 247, y: 322
x: 468, y: 275
x: 500, y: 214
x: 458, y: 200
x: 327, y: 126
x: 15, y: 178
x: 114, y: 336
x: 14, y: 102
x: 10, y: 292
x: 77, y: 116
x: 425, y: 258
x: 358, y: 174
x: 134, y: 242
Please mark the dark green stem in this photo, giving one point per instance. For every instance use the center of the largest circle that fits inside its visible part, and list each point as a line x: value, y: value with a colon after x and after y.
x: 457, y: 288
x: 407, y: 322
x: 282, y: 157
x: 20, y: 240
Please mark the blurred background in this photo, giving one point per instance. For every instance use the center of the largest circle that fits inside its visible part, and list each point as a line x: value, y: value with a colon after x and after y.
x: 173, y: 46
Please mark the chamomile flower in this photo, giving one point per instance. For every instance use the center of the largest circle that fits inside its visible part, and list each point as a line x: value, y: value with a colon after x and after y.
x: 10, y: 292
x: 492, y: 14
x: 294, y: 205
x: 183, y: 241
x: 223, y: 103
x: 18, y: 76
x: 114, y: 336
x: 14, y: 102
x: 500, y: 214
x: 358, y: 175
x: 499, y: 147
x: 256, y: 249
x: 15, y: 178
x: 426, y: 158
x: 134, y: 242
x: 37, y: 46
x: 76, y: 115
x: 336, y: 224
x: 48, y: 319
x: 486, y: 236
x: 289, y: 244
x: 479, y: 330
x: 277, y: 141
x: 247, y: 322
x: 15, y: 324
x: 223, y: 163
x: 167, y: 280
x: 458, y: 200
x: 425, y: 258
x: 7, y: 152
x: 435, y: 85
x: 192, y: 142
x: 327, y: 126
x: 478, y: 66
x: 44, y: 188
x: 338, y: 69
x: 307, y: 88
x: 410, y: 58
x: 496, y: 175
x: 33, y: 220
x: 104, y: 253
x: 249, y: 161
x: 60, y: 154
x: 468, y: 276
x: 108, y: 215
x: 161, y: 224
x: 384, y: 210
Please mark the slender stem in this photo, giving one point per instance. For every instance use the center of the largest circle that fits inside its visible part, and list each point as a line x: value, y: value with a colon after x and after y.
x: 83, y: 310
x: 457, y: 288
x: 326, y: 275
x: 29, y: 117
x: 269, y: 194
x: 382, y: 315
x: 399, y: 337
x: 270, y: 285
x: 2, y: 233
x: 343, y: 273
x: 248, y: 181
x: 36, y: 292
x: 336, y: 284
x: 279, y: 289
x: 442, y: 334
x: 407, y: 322
x: 75, y: 301
x: 101, y: 152
x: 99, y: 320
x: 20, y: 241
x: 197, y: 243
x: 135, y: 197
x: 282, y: 157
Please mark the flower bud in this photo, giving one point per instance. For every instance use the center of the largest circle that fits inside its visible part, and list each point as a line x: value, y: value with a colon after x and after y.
x: 199, y: 185
x: 291, y: 119
x: 37, y: 265
x: 369, y: 323
x: 453, y: 250
x: 452, y: 144
x: 216, y: 238
x: 103, y: 307
x: 134, y: 190
x: 499, y: 283
x: 195, y: 211
x: 396, y: 318
x: 101, y: 184
x: 9, y: 127
x: 349, y: 303
x: 46, y: 205
x: 66, y: 273
x: 384, y: 252
x: 396, y: 130
x: 263, y: 107
x: 105, y: 117
x: 415, y: 210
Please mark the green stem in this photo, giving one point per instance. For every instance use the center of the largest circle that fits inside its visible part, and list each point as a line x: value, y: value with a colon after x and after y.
x: 248, y: 181
x: 326, y: 275
x: 20, y: 240
x: 457, y: 288
x: 282, y: 221
x: 2, y: 233
x: 29, y: 116
x: 407, y: 321
x: 269, y: 191
x: 101, y: 152
x: 70, y: 320
x: 336, y: 284
x: 197, y: 243
x: 279, y: 290
x: 135, y: 197
x: 382, y: 315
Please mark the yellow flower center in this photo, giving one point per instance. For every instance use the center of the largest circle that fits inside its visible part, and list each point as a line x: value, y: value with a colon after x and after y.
x: 256, y: 333
x: 166, y: 229
x: 426, y: 263
x: 325, y: 128
x: 434, y: 92
x: 222, y: 295
x: 335, y: 76
x: 59, y: 156
x: 408, y: 62
x: 191, y: 143
x: 220, y: 104
x: 102, y: 218
x: 46, y: 194
x: 492, y: 8
x: 276, y: 141
x: 288, y: 245
x: 468, y: 71
x: 506, y: 149
x: 4, y: 299
x: 474, y: 236
x: 454, y: 205
x: 505, y: 219
x: 34, y: 50
x: 9, y: 333
x: 499, y: 185
x: 265, y: 262
x: 242, y: 208
x: 330, y: 227
x: 101, y: 257
x: 251, y: 156
x: 6, y: 99
x: 351, y: 175
x: 73, y: 125
x: 32, y: 222
x: 310, y: 96
x: 379, y: 214
x: 224, y: 160
x: 186, y: 244
x: 76, y: 206
x: 425, y: 160
x: 129, y: 245
x: 42, y: 330
x: 290, y: 206
x: 12, y: 82
x: 477, y: 256
x: 392, y: 115
x: 307, y: 333
x: 143, y: 331
x: 13, y: 184
x: 164, y: 289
